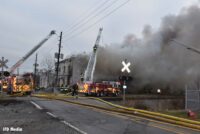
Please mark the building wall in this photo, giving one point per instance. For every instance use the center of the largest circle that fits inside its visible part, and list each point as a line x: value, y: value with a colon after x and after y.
x: 64, y: 72
x: 70, y: 71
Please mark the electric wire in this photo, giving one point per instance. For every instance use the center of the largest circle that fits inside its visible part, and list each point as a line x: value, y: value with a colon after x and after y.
x: 82, y: 17
x: 96, y: 22
x: 89, y: 18
x: 88, y: 14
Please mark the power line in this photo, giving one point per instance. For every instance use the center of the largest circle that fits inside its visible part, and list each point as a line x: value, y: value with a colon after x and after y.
x: 85, y: 21
x: 81, y: 20
x: 186, y: 46
x: 93, y: 24
x: 96, y: 22
x: 88, y: 14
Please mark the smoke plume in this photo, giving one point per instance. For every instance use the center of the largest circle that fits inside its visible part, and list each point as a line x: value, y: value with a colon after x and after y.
x: 156, y: 61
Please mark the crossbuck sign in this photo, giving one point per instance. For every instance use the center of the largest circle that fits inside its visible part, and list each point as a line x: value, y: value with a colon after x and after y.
x: 3, y: 63
x: 126, y: 66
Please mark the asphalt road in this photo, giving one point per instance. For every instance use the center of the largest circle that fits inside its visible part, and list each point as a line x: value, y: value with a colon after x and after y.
x: 21, y: 117
x: 93, y: 121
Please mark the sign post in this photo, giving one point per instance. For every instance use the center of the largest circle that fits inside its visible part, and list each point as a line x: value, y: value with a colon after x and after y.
x: 125, y: 68
x: 124, y: 92
x: 158, y: 93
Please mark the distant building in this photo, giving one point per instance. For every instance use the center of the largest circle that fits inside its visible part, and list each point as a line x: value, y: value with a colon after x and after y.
x: 71, y: 70
x: 65, y: 72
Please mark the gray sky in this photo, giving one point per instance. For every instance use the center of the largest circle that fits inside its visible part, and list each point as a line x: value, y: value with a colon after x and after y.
x: 26, y: 22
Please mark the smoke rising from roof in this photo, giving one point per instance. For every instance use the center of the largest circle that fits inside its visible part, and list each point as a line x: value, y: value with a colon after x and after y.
x: 155, y: 60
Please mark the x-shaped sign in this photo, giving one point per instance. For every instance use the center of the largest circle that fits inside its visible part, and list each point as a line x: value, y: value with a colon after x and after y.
x: 126, y: 66
x: 3, y: 63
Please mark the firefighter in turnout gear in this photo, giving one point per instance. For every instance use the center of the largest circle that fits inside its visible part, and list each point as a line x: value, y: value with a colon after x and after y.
x: 75, y: 90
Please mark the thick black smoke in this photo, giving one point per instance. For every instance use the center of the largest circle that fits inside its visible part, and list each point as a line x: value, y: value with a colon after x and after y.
x: 157, y: 62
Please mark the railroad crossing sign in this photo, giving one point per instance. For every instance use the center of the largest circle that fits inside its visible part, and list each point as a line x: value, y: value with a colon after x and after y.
x: 3, y: 63
x: 126, y: 66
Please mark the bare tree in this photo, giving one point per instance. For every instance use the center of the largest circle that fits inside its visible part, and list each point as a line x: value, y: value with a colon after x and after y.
x: 48, y: 63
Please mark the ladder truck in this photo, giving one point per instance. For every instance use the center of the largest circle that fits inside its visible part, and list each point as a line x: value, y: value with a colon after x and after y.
x: 89, y: 87
x: 21, y: 61
x: 25, y: 82
x: 88, y: 76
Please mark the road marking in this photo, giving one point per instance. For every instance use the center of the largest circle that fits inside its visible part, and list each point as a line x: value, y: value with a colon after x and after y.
x: 80, y: 104
x: 52, y: 115
x: 77, y: 129
x: 136, y: 117
x: 36, y: 105
x: 138, y: 121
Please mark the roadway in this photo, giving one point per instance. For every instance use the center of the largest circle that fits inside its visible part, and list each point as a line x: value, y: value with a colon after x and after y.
x: 91, y: 120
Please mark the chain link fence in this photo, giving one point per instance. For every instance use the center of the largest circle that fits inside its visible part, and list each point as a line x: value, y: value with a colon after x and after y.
x: 192, y: 99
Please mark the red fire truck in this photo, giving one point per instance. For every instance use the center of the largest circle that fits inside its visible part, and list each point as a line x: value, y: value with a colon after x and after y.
x: 105, y: 88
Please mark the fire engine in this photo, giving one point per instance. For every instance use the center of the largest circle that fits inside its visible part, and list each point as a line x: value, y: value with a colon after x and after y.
x: 105, y: 88
x: 23, y: 83
x: 20, y: 84
x: 4, y: 85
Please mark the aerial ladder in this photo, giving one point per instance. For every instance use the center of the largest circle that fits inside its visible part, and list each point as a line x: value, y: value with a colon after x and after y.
x: 21, y: 61
x: 88, y: 76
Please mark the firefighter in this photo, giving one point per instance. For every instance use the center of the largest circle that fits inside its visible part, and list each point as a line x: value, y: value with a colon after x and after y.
x: 75, y: 90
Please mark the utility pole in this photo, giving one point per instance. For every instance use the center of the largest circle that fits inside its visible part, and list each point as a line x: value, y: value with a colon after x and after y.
x: 2, y: 76
x: 18, y: 71
x: 58, y: 60
x: 35, y: 71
